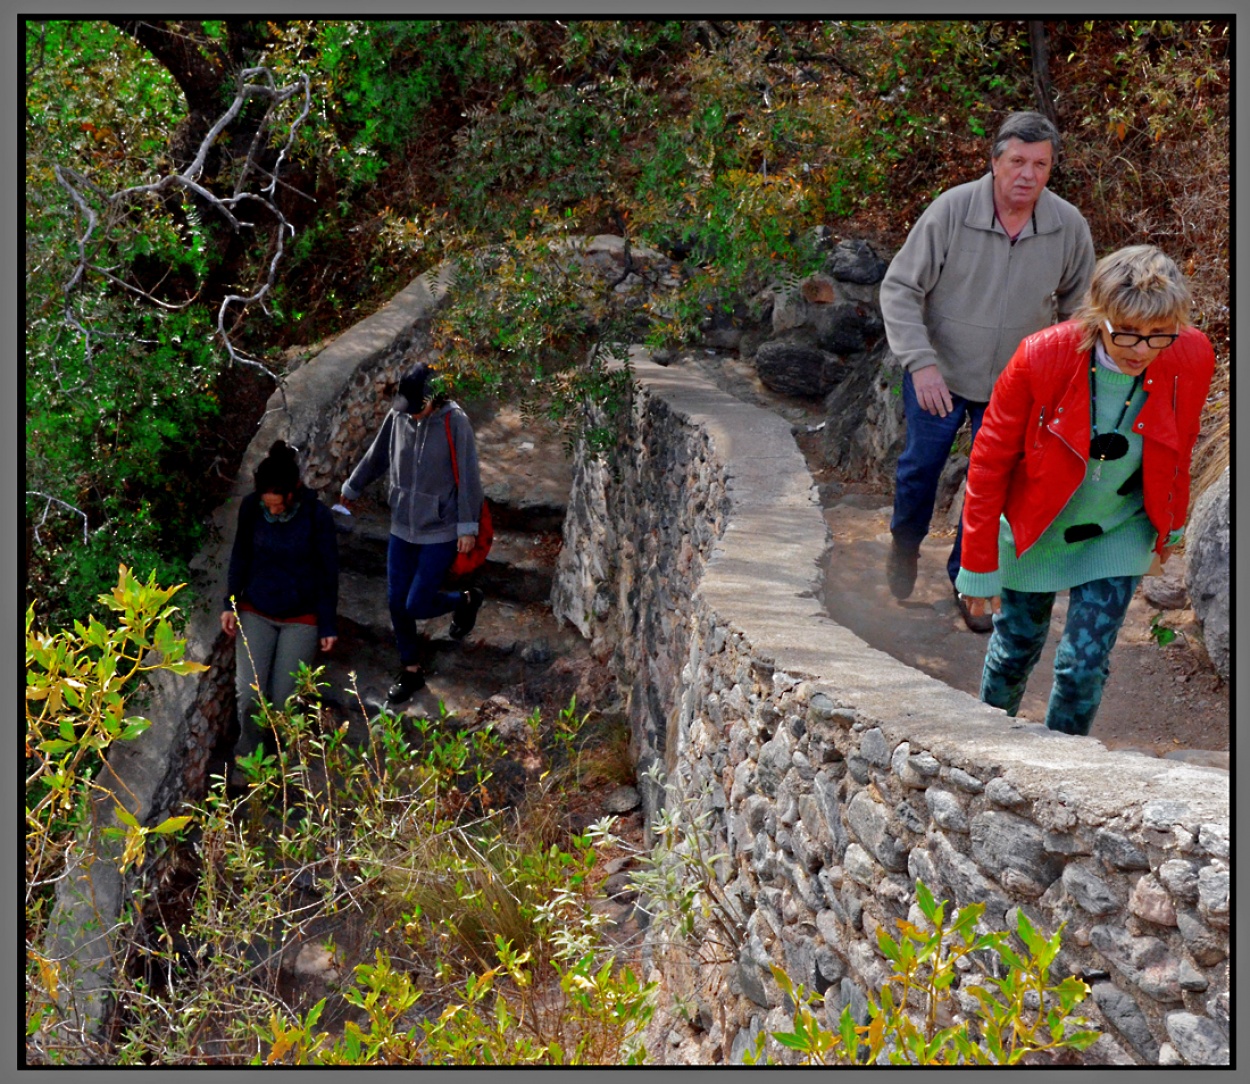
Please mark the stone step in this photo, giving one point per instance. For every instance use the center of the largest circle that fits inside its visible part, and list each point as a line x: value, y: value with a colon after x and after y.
x: 511, y: 644
x: 504, y: 626
x: 520, y: 566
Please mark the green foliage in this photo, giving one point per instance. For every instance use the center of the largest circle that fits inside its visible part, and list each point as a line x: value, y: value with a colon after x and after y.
x: 78, y: 685
x: 493, y: 143
x: 682, y: 877
x: 533, y: 321
x: 486, y: 943
x: 593, y: 1017
x: 913, y: 1021
x: 1160, y: 633
x: 122, y: 301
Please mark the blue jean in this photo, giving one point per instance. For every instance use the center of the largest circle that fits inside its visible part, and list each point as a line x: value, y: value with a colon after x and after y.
x: 1095, y: 613
x: 414, y: 573
x: 927, y: 448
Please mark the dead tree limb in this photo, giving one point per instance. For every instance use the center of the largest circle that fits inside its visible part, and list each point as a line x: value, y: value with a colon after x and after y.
x: 253, y: 83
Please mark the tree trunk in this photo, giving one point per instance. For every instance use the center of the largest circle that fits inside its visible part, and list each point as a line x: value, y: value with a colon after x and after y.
x: 1043, y: 92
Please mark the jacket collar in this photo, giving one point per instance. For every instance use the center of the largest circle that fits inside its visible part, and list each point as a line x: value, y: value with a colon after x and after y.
x: 981, y: 215
x: 1156, y: 417
x: 437, y: 414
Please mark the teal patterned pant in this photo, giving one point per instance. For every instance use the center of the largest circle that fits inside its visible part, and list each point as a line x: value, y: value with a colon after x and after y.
x: 1095, y: 613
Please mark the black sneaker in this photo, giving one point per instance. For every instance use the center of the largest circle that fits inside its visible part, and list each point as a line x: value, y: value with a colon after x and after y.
x: 465, y: 615
x: 900, y: 569
x: 407, y: 683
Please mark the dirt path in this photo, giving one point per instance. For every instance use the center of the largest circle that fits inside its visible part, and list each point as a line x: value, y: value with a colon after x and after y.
x: 1159, y: 700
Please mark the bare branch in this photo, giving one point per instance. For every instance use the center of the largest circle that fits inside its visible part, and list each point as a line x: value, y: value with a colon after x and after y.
x: 253, y: 83
x: 49, y: 501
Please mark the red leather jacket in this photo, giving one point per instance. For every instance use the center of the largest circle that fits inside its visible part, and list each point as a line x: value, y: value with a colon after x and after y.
x: 1032, y: 449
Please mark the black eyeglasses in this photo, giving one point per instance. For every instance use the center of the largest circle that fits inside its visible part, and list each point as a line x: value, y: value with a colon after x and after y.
x: 1128, y: 339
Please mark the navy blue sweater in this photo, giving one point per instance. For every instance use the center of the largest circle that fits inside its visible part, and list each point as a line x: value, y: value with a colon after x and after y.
x: 290, y: 569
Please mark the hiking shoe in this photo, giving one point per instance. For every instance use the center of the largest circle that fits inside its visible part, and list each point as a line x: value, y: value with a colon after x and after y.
x: 465, y: 615
x: 982, y: 623
x: 407, y: 683
x: 900, y: 569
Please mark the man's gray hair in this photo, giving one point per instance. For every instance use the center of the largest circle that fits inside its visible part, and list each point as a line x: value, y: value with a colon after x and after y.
x: 1027, y: 127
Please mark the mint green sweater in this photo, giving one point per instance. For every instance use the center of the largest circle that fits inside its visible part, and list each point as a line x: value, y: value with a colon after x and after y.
x: 1114, y: 503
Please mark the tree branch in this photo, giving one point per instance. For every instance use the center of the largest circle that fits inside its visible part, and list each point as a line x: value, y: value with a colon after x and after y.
x: 49, y: 501
x: 253, y: 83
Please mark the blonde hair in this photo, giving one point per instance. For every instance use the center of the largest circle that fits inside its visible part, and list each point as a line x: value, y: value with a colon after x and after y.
x: 1137, y: 285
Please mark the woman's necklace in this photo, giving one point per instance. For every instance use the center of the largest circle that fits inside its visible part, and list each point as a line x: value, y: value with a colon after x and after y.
x: 1113, y: 445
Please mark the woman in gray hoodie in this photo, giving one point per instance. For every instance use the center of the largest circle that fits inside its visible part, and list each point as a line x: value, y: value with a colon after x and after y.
x: 432, y: 517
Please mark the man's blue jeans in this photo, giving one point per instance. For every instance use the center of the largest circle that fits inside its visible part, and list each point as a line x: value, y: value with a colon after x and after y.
x: 928, y: 446
x: 413, y: 576
x: 1095, y: 613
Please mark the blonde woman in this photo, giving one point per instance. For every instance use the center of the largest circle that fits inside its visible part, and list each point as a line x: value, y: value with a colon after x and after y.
x: 1079, y: 478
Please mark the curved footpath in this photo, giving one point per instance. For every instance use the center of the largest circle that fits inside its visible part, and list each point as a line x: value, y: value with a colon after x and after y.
x: 837, y: 774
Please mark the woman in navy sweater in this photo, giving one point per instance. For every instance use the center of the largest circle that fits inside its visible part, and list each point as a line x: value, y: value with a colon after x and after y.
x: 282, y: 587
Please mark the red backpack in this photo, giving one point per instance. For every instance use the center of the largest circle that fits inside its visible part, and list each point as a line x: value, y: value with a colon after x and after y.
x: 476, y: 557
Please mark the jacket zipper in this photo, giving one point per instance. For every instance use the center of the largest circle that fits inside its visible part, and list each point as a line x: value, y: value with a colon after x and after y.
x: 1065, y: 504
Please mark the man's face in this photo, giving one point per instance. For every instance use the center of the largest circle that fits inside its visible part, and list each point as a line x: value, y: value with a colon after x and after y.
x: 1020, y: 173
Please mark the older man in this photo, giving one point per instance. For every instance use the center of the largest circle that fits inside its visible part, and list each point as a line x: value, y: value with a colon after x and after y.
x: 988, y: 263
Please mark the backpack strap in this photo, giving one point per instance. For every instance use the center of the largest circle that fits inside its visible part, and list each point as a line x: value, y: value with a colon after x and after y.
x: 455, y: 469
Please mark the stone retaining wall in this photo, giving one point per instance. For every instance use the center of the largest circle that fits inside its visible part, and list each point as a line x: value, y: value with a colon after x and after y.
x: 836, y: 776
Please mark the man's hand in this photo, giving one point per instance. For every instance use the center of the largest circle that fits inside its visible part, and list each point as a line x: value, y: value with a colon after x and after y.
x: 931, y: 391
x: 327, y: 642
x: 465, y: 543
x: 229, y: 622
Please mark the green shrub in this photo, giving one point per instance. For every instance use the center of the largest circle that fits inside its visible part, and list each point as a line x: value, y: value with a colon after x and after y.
x: 913, y: 1021
x: 78, y: 684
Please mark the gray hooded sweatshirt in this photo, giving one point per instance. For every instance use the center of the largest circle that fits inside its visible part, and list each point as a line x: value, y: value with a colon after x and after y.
x: 426, y: 504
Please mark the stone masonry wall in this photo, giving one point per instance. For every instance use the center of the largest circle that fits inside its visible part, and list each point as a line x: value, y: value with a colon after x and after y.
x: 837, y: 776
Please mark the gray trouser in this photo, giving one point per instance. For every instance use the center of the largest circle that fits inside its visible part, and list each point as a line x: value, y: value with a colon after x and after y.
x: 267, y: 655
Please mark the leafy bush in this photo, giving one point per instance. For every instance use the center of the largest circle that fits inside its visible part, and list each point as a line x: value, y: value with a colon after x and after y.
x: 77, y: 686
x: 486, y: 944
x: 1018, y: 1016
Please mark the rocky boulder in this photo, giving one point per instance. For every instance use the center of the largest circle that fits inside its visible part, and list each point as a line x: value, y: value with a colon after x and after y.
x: 863, y: 433
x: 857, y: 262
x: 821, y: 330
x: 1207, y: 547
x: 821, y: 312
x: 792, y: 367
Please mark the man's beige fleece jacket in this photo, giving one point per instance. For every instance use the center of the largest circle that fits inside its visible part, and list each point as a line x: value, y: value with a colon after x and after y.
x: 960, y: 295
